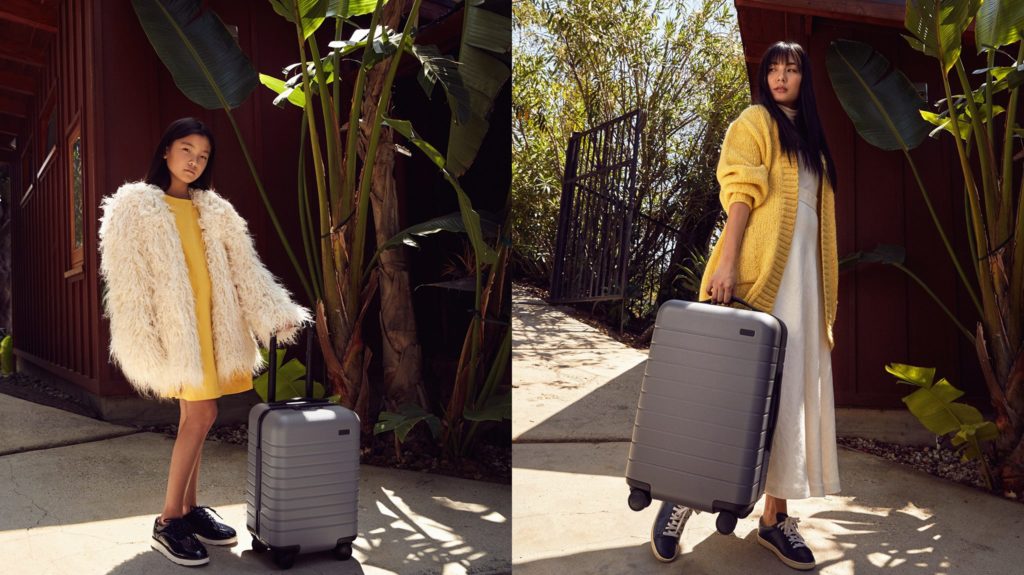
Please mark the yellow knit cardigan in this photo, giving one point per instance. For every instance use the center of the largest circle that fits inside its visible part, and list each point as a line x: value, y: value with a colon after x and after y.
x: 754, y: 170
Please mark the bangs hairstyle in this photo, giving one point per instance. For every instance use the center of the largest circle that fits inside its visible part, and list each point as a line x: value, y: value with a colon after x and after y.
x: 803, y: 136
x: 159, y: 175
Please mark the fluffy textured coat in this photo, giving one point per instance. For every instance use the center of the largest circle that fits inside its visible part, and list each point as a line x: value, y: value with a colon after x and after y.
x: 149, y: 301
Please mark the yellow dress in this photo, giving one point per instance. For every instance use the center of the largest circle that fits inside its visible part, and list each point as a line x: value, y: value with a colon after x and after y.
x: 186, y: 216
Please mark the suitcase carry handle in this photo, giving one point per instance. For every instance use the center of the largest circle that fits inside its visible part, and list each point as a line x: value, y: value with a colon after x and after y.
x: 272, y: 373
x: 735, y: 300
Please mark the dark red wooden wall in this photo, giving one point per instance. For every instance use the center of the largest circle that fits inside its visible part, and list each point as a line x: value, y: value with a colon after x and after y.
x: 52, y: 311
x: 883, y: 316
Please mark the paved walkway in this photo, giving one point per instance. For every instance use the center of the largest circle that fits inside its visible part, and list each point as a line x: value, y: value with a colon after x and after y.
x: 79, y: 497
x: 574, y: 402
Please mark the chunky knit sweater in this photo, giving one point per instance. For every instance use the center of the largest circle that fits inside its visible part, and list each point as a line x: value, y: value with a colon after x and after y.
x: 754, y: 170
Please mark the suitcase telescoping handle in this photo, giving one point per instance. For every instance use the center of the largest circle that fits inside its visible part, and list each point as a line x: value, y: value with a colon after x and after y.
x: 272, y: 374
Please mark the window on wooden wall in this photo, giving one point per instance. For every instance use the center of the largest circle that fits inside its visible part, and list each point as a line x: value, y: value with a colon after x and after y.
x: 75, y: 191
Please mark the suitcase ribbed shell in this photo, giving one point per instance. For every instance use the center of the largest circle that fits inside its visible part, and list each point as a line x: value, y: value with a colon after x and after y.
x: 303, y: 481
x: 707, y: 405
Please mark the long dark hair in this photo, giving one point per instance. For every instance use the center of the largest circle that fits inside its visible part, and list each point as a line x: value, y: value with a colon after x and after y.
x: 159, y: 175
x: 804, y: 136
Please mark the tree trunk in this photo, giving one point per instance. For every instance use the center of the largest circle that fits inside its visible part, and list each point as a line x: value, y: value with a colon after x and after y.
x: 401, y: 354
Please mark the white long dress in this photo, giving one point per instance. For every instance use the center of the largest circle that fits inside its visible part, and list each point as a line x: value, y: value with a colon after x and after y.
x: 804, y: 460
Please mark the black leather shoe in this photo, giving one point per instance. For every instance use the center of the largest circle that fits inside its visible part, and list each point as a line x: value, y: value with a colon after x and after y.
x: 785, y: 542
x: 177, y: 543
x: 667, y: 529
x: 208, y: 529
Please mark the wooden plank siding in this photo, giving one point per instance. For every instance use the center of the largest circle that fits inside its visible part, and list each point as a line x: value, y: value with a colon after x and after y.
x: 883, y: 316
x: 52, y: 311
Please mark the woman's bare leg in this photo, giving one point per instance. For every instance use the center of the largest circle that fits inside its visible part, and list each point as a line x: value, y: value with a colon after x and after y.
x: 773, y: 506
x: 196, y: 419
x: 193, y: 483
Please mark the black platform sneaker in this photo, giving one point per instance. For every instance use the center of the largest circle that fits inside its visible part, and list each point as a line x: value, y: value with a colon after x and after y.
x: 667, y: 529
x: 176, y: 542
x: 208, y: 529
x: 785, y: 542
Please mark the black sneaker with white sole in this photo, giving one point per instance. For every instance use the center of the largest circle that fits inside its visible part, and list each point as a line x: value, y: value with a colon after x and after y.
x: 175, y: 541
x: 667, y: 529
x: 207, y: 529
x: 786, y: 543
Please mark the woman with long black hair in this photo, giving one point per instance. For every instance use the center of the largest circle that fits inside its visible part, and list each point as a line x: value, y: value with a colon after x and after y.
x: 778, y: 252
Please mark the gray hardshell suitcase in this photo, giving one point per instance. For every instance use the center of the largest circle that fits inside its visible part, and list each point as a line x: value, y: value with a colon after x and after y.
x: 303, y: 485
x: 707, y: 409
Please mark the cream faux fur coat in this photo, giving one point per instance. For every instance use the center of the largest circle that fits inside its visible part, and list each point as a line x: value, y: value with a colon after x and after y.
x: 149, y: 301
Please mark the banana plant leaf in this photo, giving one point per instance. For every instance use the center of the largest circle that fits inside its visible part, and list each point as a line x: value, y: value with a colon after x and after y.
x: 447, y: 223
x: 937, y: 26
x: 882, y: 254
x: 438, y: 69
x: 1000, y: 22
x: 934, y: 403
x: 291, y: 380
x: 312, y: 13
x: 881, y: 102
x: 350, y: 8
x: 284, y: 92
x: 206, y: 63
x: 485, y: 253
x: 485, y: 35
x: 496, y: 408
x: 402, y: 422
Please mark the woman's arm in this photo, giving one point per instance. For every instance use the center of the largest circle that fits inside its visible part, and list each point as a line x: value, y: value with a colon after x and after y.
x: 723, y: 280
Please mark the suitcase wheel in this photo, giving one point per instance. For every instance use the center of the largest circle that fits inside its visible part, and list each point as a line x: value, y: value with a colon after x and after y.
x: 639, y: 499
x: 342, y: 551
x: 258, y: 545
x: 284, y: 558
x: 726, y: 523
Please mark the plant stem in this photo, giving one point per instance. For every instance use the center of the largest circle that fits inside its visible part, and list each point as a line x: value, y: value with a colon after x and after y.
x: 949, y: 314
x: 363, y: 197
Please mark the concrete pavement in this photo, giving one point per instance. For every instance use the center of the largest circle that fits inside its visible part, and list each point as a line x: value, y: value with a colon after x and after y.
x: 574, y: 401
x: 79, y: 497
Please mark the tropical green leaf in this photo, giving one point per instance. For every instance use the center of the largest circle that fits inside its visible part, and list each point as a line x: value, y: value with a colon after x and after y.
x: 919, y: 376
x: 312, y: 13
x: 938, y: 25
x: 291, y: 380
x: 935, y: 407
x: 484, y: 34
x: 881, y: 101
x: 485, y: 254
x: 488, y: 30
x: 351, y: 8
x: 945, y: 123
x: 882, y: 254
x: 1000, y: 22
x: 284, y: 91
x: 206, y: 63
x: 402, y: 422
x: 447, y: 223
x: 439, y: 69
x: 496, y: 408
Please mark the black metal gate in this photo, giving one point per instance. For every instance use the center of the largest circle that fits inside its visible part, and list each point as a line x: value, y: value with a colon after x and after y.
x: 596, y: 216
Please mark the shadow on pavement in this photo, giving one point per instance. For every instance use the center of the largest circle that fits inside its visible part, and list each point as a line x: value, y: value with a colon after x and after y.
x: 863, y: 543
x: 604, y: 414
x: 223, y: 561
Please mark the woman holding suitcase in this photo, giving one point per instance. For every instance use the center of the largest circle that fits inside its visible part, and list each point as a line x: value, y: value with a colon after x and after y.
x: 778, y: 252
x: 185, y: 294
